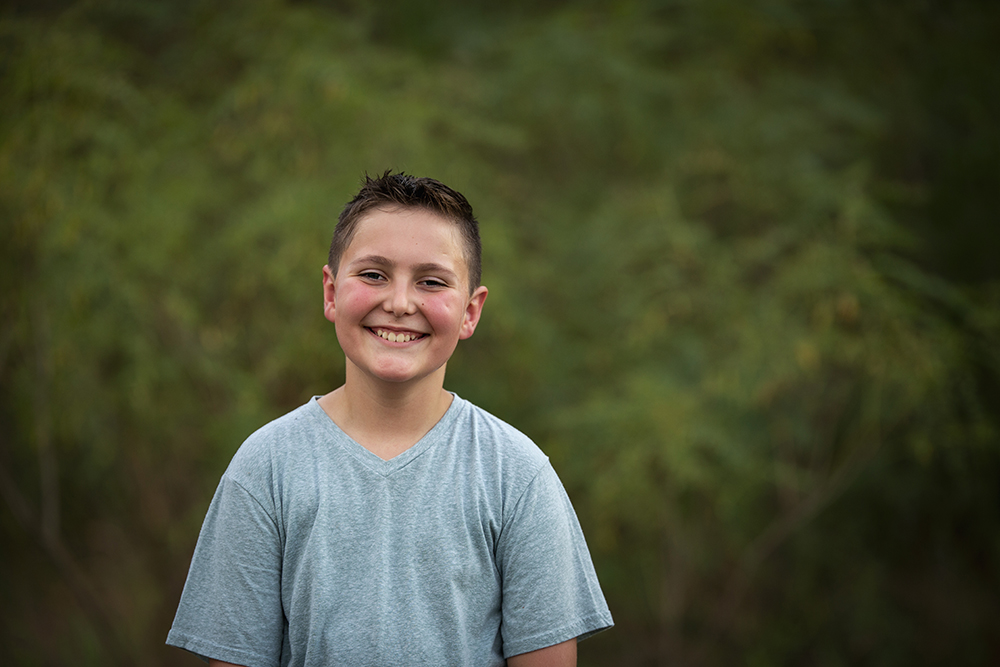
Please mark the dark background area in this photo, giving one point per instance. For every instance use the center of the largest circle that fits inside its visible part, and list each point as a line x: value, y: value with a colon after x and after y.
x: 742, y: 293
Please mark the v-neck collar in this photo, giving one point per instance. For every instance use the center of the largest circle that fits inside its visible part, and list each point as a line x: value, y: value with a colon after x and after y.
x: 373, y: 461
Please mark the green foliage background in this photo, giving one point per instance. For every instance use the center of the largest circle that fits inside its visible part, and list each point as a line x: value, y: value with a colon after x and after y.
x: 743, y: 294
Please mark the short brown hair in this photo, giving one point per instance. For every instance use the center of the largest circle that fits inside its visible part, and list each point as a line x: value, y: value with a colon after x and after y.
x: 407, y: 191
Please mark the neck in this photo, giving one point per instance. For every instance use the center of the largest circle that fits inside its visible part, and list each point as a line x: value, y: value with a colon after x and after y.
x: 387, y: 418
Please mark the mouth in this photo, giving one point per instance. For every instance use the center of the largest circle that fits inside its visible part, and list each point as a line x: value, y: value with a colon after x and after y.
x: 396, y: 336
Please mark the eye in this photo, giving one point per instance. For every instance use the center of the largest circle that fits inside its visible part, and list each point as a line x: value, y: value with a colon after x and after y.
x: 432, y: 282
x: 371, y: 275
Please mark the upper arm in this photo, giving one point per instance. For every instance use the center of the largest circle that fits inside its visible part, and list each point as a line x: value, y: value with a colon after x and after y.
x: 559, y: 655
x: 231, y: 608
x: 550, y: 590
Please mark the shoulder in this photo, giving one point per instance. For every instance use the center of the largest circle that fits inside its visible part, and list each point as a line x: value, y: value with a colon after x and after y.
x: 500, y: 447
x: 275, y: 446
x: 490, y: 429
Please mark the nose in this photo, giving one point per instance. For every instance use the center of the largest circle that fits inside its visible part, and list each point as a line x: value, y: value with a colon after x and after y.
x: 400, y: 301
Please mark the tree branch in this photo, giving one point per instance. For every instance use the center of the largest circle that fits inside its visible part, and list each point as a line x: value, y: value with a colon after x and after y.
x: 783, y: 527
x: 47, y: 464
x: 44, y: 527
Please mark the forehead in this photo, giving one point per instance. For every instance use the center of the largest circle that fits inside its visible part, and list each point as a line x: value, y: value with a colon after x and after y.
x: 408, y: 235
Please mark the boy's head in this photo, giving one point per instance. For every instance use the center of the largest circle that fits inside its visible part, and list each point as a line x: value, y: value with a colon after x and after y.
x: 402, y: 191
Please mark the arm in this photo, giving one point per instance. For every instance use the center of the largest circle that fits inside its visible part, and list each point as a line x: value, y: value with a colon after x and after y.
x: 559, y: 655
x: 230, y: 609
x: 219, y: 663
x: 548, y: 577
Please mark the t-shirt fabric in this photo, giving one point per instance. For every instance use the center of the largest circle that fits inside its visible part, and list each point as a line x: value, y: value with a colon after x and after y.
x: 462, y: 550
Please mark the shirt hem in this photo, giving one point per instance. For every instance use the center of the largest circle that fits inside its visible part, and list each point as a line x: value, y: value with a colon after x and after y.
x: 580, y: 630
x: 207, y: 650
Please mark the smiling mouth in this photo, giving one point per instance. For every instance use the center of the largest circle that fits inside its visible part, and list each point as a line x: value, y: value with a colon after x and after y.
x: 396, y: 337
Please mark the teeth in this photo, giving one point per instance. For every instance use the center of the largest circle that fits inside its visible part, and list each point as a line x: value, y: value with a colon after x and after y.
x: 394, y: 337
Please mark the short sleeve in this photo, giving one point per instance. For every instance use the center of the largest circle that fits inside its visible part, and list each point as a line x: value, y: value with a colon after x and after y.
x: 230, y: 609
x: 550, y: 590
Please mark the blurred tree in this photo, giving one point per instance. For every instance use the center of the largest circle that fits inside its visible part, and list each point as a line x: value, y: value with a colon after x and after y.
x: 725, y: 297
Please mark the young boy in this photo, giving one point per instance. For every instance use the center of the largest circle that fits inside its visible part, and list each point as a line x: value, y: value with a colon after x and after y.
x: 391, y: 522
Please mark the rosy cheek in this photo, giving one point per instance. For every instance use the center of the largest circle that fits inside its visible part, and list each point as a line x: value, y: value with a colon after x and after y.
x: 356, y: 298
x: 442, y: 313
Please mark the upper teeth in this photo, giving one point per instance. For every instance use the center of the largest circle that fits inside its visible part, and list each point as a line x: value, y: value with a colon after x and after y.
x: 394, y: 337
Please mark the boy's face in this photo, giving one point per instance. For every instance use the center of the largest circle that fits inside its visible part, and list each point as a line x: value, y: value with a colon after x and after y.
x: 400, y: 299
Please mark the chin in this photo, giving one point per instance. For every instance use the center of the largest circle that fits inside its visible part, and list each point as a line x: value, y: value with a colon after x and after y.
x: 397, y: 375
x: 394, y: 375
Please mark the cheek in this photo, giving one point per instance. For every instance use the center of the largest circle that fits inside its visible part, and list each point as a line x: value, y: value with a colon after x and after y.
x: 354, y: 302
x: 443, y: 315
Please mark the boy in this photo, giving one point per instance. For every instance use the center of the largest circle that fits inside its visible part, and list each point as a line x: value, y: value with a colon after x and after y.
x: 390, y: 522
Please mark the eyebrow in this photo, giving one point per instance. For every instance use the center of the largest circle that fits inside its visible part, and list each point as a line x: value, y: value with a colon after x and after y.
x: 427, y: 267
x: 377, y: 260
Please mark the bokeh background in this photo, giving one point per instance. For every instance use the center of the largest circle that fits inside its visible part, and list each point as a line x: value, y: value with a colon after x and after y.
x: 744, y: 293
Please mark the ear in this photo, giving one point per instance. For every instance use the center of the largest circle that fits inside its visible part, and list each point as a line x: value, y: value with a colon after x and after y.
x: 329, y: 290
x: 472, y: 312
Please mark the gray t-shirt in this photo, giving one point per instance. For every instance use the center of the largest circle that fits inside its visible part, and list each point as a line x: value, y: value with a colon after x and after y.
x: 462, y: 550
